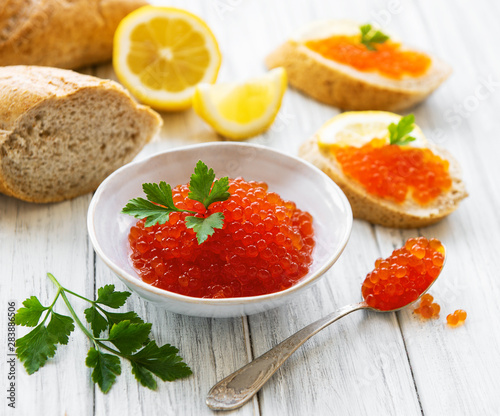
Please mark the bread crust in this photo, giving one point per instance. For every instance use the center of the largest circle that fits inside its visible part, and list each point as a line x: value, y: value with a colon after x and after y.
x: 27, y: 91
x: 384, y: 212
x: 339, y: 85
x: 60, y: 33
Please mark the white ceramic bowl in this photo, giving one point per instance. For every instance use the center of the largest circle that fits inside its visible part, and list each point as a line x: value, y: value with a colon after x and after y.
x: 292, y: 178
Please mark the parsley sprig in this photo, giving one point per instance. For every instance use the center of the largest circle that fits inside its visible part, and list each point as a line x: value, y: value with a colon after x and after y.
x: 160, y: 204
x: 399, y: 133
x: 370, y: 36
x: 127, y: 332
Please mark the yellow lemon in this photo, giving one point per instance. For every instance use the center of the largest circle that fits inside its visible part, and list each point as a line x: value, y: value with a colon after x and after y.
x: 242, y: 110
x: 355, y: 128
x: 161, y: 53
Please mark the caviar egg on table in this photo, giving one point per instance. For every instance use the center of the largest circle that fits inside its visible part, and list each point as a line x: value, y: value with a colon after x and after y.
x: 264, y: 246
x: 457, y: 318
x: 428, y: 308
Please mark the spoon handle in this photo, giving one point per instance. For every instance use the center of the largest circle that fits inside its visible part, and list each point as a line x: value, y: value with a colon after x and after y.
x: 239, y: 387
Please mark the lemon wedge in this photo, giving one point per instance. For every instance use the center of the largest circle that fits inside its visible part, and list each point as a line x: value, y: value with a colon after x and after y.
x: 161, y: 53
x: 355, y: 128
x: 240, y: 111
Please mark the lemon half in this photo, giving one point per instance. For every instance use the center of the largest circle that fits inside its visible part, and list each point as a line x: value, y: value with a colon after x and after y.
x: 161, y: 53
x: 239, y: 111
x: 355, y: 128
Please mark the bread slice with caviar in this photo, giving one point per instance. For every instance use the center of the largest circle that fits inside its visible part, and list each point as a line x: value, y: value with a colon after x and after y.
x: 62, y: 133
x: 352, y: 131
x: 60, y: 33
x: 340, y: 63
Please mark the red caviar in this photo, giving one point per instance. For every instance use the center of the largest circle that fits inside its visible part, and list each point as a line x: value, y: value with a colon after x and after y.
x: 405, y: 275
x: 264, y: 246
x: 392, y: 171
x: 458, y: 318
x: 427, y: 308
x: 388, y: 59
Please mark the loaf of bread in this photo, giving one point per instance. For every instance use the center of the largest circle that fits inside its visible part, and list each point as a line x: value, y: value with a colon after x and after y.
x: 343, y: 86
x: 377, y: 210
x: 62, y: 133
x: 60, y: 33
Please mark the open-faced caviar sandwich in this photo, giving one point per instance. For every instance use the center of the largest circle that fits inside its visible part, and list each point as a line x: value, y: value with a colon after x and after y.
x: 219, y: 238
x: 389, y: 172
x: 357, y: 67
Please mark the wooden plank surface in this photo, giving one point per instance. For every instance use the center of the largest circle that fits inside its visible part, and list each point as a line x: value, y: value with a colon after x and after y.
x: 36, y: 240
x: 377, y: 364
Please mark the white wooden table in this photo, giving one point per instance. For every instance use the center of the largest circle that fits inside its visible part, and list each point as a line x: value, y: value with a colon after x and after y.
x: 377, y: 364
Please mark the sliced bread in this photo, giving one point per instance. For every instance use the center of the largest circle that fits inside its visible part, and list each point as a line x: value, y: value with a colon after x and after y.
x: 60, y: 33
x: 62, y: 133
x: 376, y: 210
x: 343, y: 86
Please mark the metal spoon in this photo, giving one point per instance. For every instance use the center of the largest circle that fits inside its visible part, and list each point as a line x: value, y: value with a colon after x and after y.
x: 239, y: 387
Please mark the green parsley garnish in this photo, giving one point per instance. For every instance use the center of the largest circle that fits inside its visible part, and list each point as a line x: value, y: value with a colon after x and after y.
x: 202, y: 188
x: 398, y: 134
x: 126, y: 331
x: 370, y: 36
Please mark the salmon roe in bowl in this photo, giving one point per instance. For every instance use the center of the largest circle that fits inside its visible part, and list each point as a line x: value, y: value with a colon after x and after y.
x: 264, y: 246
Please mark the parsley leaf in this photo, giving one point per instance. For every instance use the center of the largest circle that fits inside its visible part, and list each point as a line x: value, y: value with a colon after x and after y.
x: 161, y: 194
x: 204, y: 227
x: 157, y: 208
x: 201, y: 183
x: 35, y: 348
x: 97, y: 322
x: 115, y: 318
x: 60, y: 327
x: 200, y: 186
x: 140, y: 208
x: 370, y: 36
x: 219, y: 191
x: 31, y: 313
x: 398, y: 134
x: 167, y: 367
x: 129, y: 337
x: 106, y: 368
x: 143, y: 376
x: 161, y: 361
x: 107, y: 295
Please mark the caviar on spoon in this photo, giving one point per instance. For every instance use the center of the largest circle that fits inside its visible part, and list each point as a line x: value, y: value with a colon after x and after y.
x: 395, y: 283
